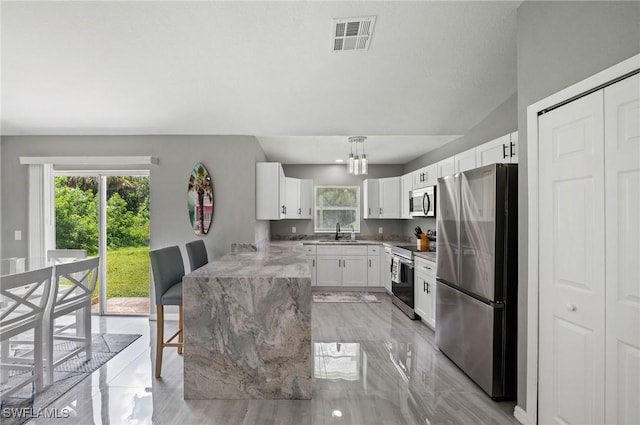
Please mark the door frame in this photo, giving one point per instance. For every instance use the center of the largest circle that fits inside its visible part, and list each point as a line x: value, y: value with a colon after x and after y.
x: 530, y: 416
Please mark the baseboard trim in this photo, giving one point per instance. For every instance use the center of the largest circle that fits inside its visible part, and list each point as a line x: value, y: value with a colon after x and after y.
x: 520, y: 415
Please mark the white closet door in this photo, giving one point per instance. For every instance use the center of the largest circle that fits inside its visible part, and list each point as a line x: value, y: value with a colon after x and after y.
x: 571, y: 308
x: 622, y: 167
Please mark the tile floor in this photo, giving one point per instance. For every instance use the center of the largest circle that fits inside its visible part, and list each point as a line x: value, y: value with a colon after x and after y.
x: 372, y: 366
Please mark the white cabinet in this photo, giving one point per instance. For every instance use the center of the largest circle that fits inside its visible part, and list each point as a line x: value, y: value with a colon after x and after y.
x: 340, y: 265
x: 381, y: 198
x: 406, y: 185
x: 298, y: 198
x: 385, y: 269
x: 371, y: 198
x: 425, y: 177
x: 373, y: 263
x: 270, y: 191
x: 306, y: 198
x: 390, y: 197
x: 465, y: 160
x: 310, y: 252
x: 503, y: 150
x: 446, y: 167
x: 425, y: 290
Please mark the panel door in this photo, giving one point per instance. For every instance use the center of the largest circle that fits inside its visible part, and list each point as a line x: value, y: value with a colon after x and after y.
x: 430, y: 301
x: 419, y: 178
x: 371, y: 198
x: 494, y: 152
x: 406, y: 185
x: 329, y: 270
x: 465, y: 161
x: 311, y: 260
x: 622, y: 180
x: 446, y: 167
x: 390, y: 197
x: 373, y: 270
x: 571, y: 291
x: 354, y: 270
x: 431, y: 175
x: 292, y: 203
x: 306, y: 198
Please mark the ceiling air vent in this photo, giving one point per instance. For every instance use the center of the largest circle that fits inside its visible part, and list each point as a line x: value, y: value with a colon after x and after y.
x: 352, y: 34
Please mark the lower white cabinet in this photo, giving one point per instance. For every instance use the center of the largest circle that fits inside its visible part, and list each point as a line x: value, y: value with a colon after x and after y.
x: 425, y: 290
x: 385, y: 269
x: 346, y: 265
x: 310, y: 252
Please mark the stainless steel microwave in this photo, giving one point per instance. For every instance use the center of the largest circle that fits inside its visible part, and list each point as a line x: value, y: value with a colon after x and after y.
x: 423, y: 202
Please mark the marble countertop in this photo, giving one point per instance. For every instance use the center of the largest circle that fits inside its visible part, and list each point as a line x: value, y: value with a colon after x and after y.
x: 356, y: 242
x: 278, y: 259
x: 427, y: 255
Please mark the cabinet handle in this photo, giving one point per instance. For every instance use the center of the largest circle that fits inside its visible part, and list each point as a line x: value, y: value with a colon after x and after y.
x: 369, y: 263
x: 427, y: 287
x: 504, y: 151
x: 344, y: 263
x: 424, y: 286
x: 369, y: 211
x: 571, y: 307
x: 511, y: 146
x: 427, y: 267
x: 299, y: 211
x: 309, y: 211
x: 380, y: 211
x: 314, y: 262
x: 339, y: 263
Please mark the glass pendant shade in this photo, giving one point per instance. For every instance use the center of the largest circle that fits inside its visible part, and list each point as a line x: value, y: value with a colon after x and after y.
x: 350, y: 163
x: 364, y: 165
x: 356, y: 166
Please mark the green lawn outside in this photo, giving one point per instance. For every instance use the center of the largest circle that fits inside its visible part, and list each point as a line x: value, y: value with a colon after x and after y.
x: 128, y: 272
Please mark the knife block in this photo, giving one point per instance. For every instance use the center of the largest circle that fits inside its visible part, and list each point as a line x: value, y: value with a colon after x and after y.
x: 423, y: 243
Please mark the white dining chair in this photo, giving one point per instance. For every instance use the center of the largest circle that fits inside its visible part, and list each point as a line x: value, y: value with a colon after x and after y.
x: 73, y: 286
x: 23, y: 300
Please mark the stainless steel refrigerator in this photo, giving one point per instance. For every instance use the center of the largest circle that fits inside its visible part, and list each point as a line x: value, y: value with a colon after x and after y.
x: 477, y: 290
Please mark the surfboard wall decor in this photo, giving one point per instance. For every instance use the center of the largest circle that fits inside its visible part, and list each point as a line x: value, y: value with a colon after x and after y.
x: 200, y: 200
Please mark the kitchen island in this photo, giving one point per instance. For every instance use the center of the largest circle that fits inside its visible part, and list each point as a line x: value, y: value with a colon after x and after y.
x: 247, y: 326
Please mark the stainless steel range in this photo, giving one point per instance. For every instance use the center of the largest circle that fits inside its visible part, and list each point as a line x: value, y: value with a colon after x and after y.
x: 402, y: 278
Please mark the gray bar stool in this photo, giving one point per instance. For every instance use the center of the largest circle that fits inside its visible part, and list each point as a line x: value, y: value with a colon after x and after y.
x: 168, y: 271
x: 197, y: 253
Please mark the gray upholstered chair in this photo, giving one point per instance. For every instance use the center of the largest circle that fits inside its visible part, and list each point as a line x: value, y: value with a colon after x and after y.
x: 168, y: 271
x: 197, y: 253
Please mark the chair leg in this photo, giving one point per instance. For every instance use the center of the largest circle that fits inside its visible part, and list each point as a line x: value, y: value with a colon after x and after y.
x: 181, y: 328
x: 48, y: 327
x: 37, y: 358
x: 86, y: 314
x: 4, y: 355
x: 159, y: 338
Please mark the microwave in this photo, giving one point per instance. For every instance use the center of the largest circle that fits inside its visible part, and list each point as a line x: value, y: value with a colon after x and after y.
x: 423, y: 202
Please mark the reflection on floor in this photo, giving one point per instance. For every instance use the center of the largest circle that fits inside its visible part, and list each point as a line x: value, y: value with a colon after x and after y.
x: 372, y: 365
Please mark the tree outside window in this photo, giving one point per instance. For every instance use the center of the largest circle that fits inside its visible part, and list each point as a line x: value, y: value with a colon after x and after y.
x: 337, y: 204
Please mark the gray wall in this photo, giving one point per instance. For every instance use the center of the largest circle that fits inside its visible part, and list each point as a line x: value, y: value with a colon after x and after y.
x: 229, y: 159
x: 337, y: 174
x: 559, y: 44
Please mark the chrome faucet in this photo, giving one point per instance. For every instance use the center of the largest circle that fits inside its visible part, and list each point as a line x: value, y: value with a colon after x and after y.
x: 338, y: 231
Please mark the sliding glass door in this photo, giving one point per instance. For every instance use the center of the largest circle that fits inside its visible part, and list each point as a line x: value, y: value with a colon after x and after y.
x: 107, y: 214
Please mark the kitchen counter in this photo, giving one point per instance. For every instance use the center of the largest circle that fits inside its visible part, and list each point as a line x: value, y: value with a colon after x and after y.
x: 247, y: 326
x: 427, y: 255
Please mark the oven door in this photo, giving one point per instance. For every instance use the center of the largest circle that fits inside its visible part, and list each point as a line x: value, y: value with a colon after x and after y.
x: 403, y: 288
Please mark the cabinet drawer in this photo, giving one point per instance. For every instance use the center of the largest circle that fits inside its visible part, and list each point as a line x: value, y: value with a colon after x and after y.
x: 374, y: 249
x: 329, y: 250
x: 425, y: 266
x: 310, y: 249
x: 354, y: 250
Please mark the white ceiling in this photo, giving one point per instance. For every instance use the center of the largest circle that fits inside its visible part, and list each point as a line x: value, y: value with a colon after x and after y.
x: 433, y: 71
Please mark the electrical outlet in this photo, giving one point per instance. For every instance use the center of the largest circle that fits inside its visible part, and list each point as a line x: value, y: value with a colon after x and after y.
x: 293, y: 229
x: 18, y: 235
x: 380, y: 230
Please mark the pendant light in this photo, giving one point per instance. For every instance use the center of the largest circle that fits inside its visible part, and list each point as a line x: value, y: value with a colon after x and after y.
x: 351, y: 160
x: 356, y: 162
x: 358, y: 165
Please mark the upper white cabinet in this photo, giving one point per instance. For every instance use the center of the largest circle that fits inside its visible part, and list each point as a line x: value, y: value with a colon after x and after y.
x: 381, y: 198
x: 270, y: 191
x: 446, y: 167
x: 503, y: 150
x: 465, y: 160
x: 425, y: 177
x: 390, y: 197
x: 306, y: 198
x: 406, y: 185
x: 299, y: 198
x: 371, y: 198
